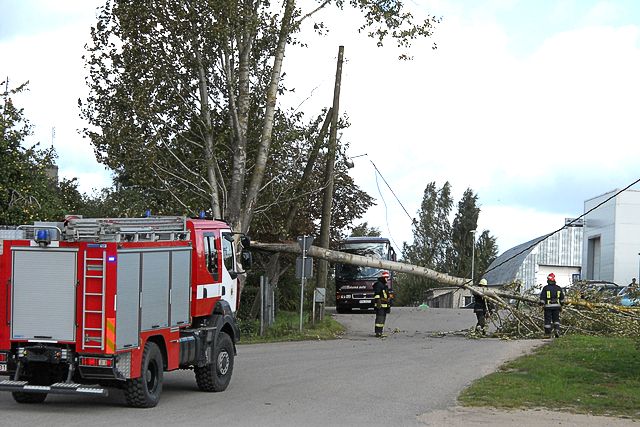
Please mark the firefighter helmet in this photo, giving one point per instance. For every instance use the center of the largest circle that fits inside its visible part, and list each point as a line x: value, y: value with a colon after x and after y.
x: 483, y: 282
x: 551, y: 277
x: 385, y: 274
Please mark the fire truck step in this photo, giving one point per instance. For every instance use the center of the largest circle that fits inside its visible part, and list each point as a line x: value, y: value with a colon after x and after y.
x: 57, y: 388
x: 13, y: 383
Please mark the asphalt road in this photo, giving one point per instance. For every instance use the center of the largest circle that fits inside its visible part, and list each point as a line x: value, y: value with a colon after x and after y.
x: 356, y: 380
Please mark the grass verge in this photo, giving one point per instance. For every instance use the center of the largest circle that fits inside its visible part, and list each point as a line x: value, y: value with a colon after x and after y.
x: 581, y: 374
x: 286, y: 327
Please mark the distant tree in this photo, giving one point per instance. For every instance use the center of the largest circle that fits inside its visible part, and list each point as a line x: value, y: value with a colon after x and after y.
x: 27, y: 192
x: 444, y: 246
x: 363, y: 230
x: 431, y: 231
x: 465, y: 221
x: 431, y: 242
x: 486, y: 253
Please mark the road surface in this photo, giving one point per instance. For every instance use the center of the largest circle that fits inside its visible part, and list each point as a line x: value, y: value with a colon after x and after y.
x: 356, y: 380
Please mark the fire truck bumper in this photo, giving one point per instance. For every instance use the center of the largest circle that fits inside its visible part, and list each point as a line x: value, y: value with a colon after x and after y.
x: 57, y: 388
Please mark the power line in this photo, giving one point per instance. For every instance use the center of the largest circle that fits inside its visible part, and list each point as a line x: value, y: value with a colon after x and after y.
x: 392, y: 192
x: 386, y: 216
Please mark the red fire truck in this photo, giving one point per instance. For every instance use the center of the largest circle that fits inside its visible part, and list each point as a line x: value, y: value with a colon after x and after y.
x: 114, y: 302
x: 354, y: 284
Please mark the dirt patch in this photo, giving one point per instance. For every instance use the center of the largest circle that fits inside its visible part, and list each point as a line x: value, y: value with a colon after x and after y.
x: 462, y: 416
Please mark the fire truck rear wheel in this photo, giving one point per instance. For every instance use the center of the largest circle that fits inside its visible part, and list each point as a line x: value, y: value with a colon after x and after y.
x: 144, y: 392
x: 38, y: 378
x: 217, y: 375
x: 29, y: 397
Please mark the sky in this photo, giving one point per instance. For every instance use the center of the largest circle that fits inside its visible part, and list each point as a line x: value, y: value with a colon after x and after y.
x: 532, y: 104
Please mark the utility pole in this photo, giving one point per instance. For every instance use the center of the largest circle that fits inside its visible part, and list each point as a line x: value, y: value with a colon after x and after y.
x: 473, y: 254
x: 327, y: 201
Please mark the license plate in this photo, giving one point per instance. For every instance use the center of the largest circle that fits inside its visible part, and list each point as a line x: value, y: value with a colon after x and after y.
x: 365, y: 301
x: 3, y: 368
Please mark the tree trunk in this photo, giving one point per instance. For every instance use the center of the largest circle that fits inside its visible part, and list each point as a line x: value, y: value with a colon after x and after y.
x: 444, y: 279
x: 267, y: 127
x: 205, y: 117
x: 347, y: 258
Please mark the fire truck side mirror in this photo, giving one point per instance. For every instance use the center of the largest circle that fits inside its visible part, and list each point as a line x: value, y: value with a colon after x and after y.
x: 247, y: 259
x: 246, y: 241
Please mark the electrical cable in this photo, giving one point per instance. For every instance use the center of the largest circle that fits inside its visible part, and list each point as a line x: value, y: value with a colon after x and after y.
x: 386, y: 216
x: 392, y: 192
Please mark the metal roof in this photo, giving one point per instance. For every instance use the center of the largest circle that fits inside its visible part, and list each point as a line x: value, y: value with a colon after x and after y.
x: 506, y: 273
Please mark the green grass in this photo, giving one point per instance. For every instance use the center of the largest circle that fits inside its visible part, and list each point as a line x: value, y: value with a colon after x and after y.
x: 582, y: 374
x: 287, y: 328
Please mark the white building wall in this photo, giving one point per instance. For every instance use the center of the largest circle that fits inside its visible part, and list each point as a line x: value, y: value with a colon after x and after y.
x: 563, y: 275
x: 599, y: 225
x: 627, y: 237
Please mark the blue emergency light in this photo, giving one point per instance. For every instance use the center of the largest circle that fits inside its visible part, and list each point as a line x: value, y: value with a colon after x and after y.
x: 43, y: 238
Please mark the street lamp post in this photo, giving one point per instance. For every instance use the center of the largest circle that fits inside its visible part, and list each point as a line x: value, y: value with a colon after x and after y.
x: 473, y: 254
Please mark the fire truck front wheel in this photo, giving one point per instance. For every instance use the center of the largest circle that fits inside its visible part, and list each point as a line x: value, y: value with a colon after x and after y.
x: 144, y: 392
x: 216, y: 375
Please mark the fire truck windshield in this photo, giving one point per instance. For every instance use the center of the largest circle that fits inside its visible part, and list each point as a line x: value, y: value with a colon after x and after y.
x: 378, y: 250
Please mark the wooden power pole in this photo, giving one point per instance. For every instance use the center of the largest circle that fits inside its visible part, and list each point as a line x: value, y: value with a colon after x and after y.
x: 327, y: 201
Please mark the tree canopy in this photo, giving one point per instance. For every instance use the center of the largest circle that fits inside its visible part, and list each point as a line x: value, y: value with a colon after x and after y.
x: 183, y: 94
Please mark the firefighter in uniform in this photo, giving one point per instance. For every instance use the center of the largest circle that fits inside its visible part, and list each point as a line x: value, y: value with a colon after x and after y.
x: 482, y: 308
x: 552, y: 297
x: 381, y: 296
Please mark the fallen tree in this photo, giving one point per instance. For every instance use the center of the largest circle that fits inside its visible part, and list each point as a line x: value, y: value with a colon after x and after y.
x: 515, y: 315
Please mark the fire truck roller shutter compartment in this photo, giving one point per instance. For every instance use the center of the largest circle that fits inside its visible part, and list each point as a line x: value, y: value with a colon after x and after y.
x: 155, y: 290
x: 44, y: 293
x: 180, y: 286
x: 128, y: 302
x: 163, y: 278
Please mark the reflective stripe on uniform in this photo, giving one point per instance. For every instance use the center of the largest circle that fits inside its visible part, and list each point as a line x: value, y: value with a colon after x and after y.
x: 552, y: 305
x: 376, y: 296
x: 379, y: 325
x: 384, y: 305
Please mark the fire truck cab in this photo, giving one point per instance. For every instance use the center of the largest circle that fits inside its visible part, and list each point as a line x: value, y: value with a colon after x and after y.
x: 90, y: 304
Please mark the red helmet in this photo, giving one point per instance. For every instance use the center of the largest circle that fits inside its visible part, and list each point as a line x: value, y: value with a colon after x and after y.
x: 384, y: 274
x: 551, y: 277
